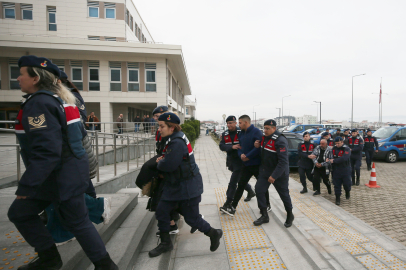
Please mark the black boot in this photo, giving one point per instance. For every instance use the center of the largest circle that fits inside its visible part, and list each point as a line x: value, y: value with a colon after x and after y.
x: 251, y: 194
x: 357, y: 183
x: 316, y: 193
x: 369, y: 167
x: 263, y: 219
x: 164, y: 246
x: 347, y: 194
x: 329, y: 188
x: 105, y: 264
x: 338, y: 199
x: 289, y: 218
x: 46, y: 260
x: 304, y: 190
x: 215, y: 236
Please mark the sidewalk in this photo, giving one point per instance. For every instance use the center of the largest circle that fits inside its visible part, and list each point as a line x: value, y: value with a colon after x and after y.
x: 324, y: 236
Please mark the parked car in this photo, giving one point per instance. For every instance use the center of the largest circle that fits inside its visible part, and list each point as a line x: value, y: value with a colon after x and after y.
x: 293, y: 141
x: 301, y: 128
x: 392, y: 143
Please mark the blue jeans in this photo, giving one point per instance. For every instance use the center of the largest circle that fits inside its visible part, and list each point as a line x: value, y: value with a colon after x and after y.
x: 136, y: 127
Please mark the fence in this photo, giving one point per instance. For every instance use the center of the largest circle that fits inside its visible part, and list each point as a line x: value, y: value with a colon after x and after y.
x: 128, y: 144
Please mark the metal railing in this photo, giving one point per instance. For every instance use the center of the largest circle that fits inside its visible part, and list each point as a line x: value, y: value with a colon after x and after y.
x: 142, y: 144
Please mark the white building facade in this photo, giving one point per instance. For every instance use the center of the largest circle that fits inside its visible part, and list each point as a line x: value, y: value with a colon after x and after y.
x: 307, y: 120
x: 104, y: 48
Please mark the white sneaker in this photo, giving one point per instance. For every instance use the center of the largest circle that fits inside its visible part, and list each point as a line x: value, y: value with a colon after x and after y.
x: 107, y: 211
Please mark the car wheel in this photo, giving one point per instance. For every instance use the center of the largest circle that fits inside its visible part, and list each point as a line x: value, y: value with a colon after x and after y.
x: 392, y: 157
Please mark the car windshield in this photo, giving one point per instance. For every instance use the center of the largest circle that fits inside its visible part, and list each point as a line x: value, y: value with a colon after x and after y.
x: 291, y: 128
x: 385, y: 132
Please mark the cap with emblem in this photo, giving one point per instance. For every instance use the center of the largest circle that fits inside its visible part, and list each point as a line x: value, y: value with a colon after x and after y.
x: 160, y: 109
x: 338, y: 139
x: 270, y: 122
x: 39, y: 62
x: 231, y: 118
x: 324, y: 134
x: 169, y: 117
x: 63, y: 75
x: 305, y: 133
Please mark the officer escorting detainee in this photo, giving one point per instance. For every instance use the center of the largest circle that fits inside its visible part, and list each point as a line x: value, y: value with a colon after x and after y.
x: 57, y: 169
x: 305, y: 163
x: 183, y: 185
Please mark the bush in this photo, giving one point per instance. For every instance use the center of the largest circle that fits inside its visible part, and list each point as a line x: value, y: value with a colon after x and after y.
x: 189, y: 131
x: 196, y: 125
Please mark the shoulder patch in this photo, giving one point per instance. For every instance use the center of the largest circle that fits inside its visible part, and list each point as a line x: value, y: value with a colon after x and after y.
x: 37, y: 122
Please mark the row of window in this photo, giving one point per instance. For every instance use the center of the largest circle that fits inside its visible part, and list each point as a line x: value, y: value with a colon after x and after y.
x: 9, y: 11
x: 115, y: 71
x: 109, y: 10
x: 98, y: 38
x: 134, y: 26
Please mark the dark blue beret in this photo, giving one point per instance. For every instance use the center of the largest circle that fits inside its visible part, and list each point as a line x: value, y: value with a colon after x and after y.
x: 347, y: 129
x: 63, y: 75
x: 368, y: 130
x: 324, y: 134
x: 160, y: 109
x: 231, y: 118
x: 169, y: 117
x: 40, y: 62
x: 305, y: 133
x: 353, y: 130
x: 270, y: 122
x: 338, y: 139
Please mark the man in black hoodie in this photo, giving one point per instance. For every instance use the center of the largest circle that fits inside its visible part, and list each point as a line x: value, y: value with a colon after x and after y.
x: 305, y: 163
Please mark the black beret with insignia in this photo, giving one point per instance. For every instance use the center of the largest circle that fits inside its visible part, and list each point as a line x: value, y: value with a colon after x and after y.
x: 160, y: 109
x: 169, y: 117
x: 39, y: 62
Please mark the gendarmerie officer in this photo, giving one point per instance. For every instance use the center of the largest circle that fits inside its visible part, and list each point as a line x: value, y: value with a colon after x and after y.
x: 370, y: 146
x: 305, y: 163
x: 250, y: 157
x: 327, y: 136
x: 341, y: 169
x: 183, y: 185
x: 347, y: 135
x: 356, y: 144
x: 230, y: 143
x: 57, y: 170
x: 274, y: 170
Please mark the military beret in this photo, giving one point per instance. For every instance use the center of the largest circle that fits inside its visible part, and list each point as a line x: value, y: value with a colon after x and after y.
x: 169, y: 117
x: 338, y: 139
x: 63, y: 75
x: 353, y: 130
x: 305, y: 133
x: 347, y: 129
x: 160, y: 109
x: 324, y: 134
x: 270, y: 122
x: 231, y: 118
x: 39, y: 62
x: 368, y: 130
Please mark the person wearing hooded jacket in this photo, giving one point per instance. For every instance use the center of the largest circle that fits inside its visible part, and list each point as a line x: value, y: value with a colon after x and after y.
x: 183, y: 185
x: 274, y: 169
x: 57, y: 170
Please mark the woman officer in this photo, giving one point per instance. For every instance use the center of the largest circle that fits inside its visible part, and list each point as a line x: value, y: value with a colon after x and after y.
x: 183, y: 185
x: 57, y: 170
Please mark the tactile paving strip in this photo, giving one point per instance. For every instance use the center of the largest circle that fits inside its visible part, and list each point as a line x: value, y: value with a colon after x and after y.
x: 248, y: 247
x: 371, y: 255
x: 11, y: 256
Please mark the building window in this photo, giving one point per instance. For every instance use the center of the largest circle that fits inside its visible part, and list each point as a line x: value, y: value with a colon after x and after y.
x: 115, y: 76
x: 143, y: 38
x: 93, y: 8
x: 131, y: 23
x: 9, y: 10
x: 136, y: 29
x: 77, y: 74
x: 127, y: 16
x: 14, y: 73
x: 187, y: 111
x: 51, y: 18
x: 93, y: 38
x: 110, y: 39
x: 60, y: 63
x: 110, y: 10
x: 26, y: 12
x: 94, y: 81
x: 150, y: 85
x: 133, y: 77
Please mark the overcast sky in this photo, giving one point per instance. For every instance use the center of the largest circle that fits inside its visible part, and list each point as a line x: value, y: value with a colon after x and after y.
x: 244, y: 53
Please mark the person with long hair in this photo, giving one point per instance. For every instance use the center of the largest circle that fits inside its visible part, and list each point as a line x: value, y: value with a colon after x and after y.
x: 57, y: 169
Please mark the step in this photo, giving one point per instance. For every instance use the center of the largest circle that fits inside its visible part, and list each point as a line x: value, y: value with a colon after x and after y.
x: 122, y: 206
x: 127, y: 241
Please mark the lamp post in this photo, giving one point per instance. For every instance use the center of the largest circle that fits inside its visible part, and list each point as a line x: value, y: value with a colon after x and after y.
x: 254, y: 114
x: 352, y: 99
x: 320, y: 109
x: 282, y: 106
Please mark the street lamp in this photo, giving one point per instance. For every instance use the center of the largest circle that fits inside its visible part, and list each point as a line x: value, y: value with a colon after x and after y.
x: 352, y: 99
x: 282, y: 106
x: 279, y: 115
x: 253, y: 113
x: 320, y: 109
